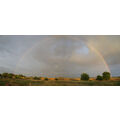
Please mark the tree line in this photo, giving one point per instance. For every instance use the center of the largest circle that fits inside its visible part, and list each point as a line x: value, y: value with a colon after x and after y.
x: 84, y: 76
x: 11, y: 75
x: 19, y: 76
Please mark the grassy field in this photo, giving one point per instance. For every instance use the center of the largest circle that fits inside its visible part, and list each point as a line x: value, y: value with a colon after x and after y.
x: 28, y: 82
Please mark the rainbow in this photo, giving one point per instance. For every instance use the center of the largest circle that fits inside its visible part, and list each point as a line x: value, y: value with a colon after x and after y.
x: 91, y: 47
x: 24, y: 55
x: 100, y: 56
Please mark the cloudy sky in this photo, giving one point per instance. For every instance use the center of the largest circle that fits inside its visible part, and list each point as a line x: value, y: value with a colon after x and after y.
x: 55, y: 56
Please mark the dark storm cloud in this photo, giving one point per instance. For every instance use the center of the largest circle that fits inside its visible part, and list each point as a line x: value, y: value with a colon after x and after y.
x: 59, y: 55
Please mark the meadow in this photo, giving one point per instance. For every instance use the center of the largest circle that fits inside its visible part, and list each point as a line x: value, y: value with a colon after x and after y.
x: 59, y: 82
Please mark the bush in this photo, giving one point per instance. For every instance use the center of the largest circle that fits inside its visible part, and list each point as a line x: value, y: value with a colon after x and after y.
x: 99, y: 77
x: 85, y: 76
x: 37, y: 78
x: 106, y: 76
x: 56, y: 79
x: 17, y: 77
x: 10, y: 75
x: 46, y: 79
x: 0, y: 75
x: 5, y: 75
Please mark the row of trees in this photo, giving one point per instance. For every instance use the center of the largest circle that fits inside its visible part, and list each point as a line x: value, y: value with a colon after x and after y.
x: 11, y: 75
x: 105, y: 76
x: 84, y: 76
x: 20, y: 76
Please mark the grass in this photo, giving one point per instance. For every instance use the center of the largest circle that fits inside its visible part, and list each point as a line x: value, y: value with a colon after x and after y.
x: 25, y: 82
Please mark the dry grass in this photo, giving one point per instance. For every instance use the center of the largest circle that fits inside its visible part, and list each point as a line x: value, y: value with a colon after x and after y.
x: 115, y: 81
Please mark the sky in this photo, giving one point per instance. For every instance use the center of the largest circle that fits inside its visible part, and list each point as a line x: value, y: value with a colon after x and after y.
x: 59, y: 55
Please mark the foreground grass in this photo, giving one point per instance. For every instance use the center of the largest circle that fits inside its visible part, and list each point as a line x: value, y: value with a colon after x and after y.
x: 23, y: 82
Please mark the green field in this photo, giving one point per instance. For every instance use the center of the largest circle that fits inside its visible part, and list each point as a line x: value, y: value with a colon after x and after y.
x: 24, y: 82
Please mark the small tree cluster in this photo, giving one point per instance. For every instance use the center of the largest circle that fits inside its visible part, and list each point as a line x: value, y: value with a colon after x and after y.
x: 11, y: 75
x: 105, y: 76
x: 37, y: 78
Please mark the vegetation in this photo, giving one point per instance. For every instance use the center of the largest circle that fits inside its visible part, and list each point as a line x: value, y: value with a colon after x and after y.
x: 99, y: 77
x: 5, y: 75
x: 46, y: 79
x: 106, y: 76
x: 10, y: 79
x: 28, y: 82
x: 37, y: 78
x: 56, y: 78
x: 85, y: 76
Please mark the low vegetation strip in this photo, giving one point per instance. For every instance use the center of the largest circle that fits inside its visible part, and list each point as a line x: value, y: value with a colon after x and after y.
x: 22, y: 82
x: 9, y: 79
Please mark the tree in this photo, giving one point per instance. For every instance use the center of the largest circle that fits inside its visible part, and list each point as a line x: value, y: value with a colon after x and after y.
x: 20, y: 75
x: 17, y: 77
x: 85, y: 76
x: 37, y: 78
x: 106, y: 76
x: 99, y: 77
x: 5, y: 75
x: 10, y: 75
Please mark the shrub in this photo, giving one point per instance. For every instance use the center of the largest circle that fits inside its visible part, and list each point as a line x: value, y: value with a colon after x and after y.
x: 37, y: 78
x: 0, y: 75
x: 99, y: 77
x: 5, y: 75
x: 56, y: 79
x: 17, y: 77
x: 106, y: 76
x: 85, y: 76
x: 21, y: 76
x: 46, y: 79
x: 10, y: 75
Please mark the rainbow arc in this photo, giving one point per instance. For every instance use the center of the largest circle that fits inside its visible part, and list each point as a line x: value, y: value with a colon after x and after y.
x: 91, y: 47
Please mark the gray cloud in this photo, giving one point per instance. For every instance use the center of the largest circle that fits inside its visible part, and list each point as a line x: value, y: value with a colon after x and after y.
x: 66, y: 56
